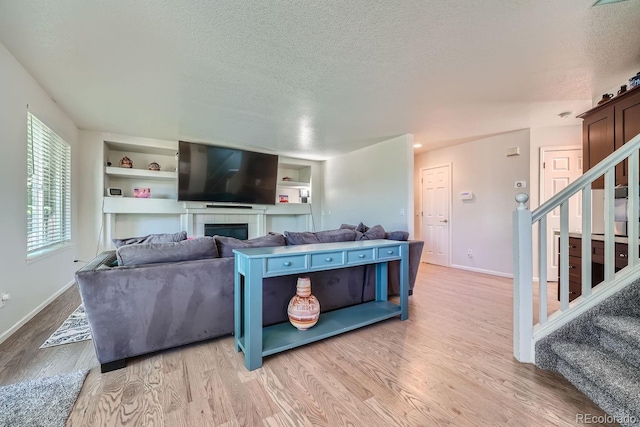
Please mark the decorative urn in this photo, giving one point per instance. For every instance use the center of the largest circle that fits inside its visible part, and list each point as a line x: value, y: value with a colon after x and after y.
x: 126, y: 162
x: 153, y: 166
x: 304, y: 308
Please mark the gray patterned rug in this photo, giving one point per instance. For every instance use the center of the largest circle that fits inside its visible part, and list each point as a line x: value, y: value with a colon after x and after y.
x: 42, y: 402
x: 74, y: 329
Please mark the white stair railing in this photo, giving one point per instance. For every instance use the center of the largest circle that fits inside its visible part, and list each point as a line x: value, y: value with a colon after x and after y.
x: 525, y: 332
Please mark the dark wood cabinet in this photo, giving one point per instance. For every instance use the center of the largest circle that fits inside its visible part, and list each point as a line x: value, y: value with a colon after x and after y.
x: 597, y: 264
x: 608, y: 127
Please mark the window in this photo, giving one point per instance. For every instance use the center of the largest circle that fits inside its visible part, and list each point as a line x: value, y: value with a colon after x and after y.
x: 48, y: 187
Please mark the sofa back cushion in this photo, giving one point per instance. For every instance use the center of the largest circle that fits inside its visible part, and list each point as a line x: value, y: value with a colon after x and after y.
x: 153, y: 253
x: 328, y: 236
x: 402, y: 236
x: 226, y: 245
x: 152, y: 238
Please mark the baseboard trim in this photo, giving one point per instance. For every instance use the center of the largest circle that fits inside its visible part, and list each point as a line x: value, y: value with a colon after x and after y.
x: 33, y: 312
x: 482, y: 270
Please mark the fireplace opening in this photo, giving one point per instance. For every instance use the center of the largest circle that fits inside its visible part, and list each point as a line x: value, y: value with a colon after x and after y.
x: 238, y: 231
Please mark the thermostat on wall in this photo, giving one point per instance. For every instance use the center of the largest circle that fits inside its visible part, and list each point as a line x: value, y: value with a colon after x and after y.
x: 466, y: 195
x: 114, y: 192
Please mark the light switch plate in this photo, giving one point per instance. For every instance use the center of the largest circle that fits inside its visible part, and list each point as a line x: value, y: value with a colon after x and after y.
x: 520, y: 184
x: 513, y: 151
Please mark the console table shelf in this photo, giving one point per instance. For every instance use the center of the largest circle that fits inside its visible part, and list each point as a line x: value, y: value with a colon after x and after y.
x: 283, y: 336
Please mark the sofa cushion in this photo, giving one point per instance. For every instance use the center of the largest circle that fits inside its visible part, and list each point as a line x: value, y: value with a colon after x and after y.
x: 153, y: 253
x: 152, y: 238
x: 372, y: 233
x: 402, y: 236
x: 347, y: 226
x: 226, y: 245
x: 328, y: 236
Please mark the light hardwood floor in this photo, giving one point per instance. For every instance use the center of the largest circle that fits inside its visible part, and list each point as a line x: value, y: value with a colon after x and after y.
x: 451, y: 363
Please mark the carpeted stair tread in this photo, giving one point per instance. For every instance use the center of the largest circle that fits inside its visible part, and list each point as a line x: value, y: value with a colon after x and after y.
x: 597, y: 395
x: 625, y: 327
x: 612, y: 375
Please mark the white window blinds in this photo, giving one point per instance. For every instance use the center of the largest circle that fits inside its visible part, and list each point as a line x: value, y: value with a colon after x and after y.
x: 48, y: 187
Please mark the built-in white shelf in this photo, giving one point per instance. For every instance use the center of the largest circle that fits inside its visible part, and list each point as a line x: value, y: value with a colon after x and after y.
x: 141, y: 173
x: 133, y: 205
x: 294, y: 184
x: 144, y: 146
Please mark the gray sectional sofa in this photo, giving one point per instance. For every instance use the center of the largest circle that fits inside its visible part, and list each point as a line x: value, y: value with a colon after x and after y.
x: 172, y: 293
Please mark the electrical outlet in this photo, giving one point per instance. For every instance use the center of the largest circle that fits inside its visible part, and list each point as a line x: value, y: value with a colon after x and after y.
x: 470, y: 253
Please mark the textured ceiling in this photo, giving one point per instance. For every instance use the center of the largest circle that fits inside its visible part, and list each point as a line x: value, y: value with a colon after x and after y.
x: 317, y: 78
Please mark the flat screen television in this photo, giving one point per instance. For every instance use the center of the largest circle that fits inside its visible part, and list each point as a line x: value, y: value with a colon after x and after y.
x: 210, y: 173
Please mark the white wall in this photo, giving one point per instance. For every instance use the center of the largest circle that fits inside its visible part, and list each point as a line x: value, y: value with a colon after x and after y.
x: 32, y: 285
x: 484, y: 223
x: 373, y: 185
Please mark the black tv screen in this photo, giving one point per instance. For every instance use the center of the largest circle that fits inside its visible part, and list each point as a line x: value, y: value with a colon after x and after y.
x: 209, y: 173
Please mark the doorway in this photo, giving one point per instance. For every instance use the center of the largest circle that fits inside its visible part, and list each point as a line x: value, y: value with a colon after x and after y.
x: 435, y: 207
x: 559, y: 166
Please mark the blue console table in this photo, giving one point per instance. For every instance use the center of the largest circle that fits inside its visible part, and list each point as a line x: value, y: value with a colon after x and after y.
x: 255, y: 264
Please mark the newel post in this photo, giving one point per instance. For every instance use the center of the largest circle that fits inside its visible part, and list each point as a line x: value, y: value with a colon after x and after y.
x: 522, y: 282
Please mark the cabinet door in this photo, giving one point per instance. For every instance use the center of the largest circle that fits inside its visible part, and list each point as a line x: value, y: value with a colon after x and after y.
x: 598, y: 141
x: 627, y: 121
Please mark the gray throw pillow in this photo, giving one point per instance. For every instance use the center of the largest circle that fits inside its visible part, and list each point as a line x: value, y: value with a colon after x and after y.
x: 152, y: 238
x: 373, y: 233
x: 226, y: 245
x: 361, y: 228
x: 154, y: 253
x: 328, y: 236
x: 402, y: 236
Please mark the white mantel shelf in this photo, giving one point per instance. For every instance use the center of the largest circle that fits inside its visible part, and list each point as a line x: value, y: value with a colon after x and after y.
x: 193, y: 216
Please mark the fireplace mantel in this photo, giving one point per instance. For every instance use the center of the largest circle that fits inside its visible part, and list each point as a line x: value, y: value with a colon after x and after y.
x: 261, y: 219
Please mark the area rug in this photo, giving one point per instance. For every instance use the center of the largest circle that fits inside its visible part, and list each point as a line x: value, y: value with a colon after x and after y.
x: 42, y: 402
x: 74, y: 329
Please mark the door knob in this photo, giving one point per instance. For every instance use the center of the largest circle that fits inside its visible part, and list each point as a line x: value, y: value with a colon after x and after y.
x: 444, y: 220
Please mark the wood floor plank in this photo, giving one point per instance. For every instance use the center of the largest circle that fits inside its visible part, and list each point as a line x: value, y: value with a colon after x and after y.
x: 451, y: 363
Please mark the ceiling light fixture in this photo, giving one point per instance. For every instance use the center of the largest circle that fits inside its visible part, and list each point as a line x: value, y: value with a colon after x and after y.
x: 417, y: 145
x: 601, y: 2
x: 565, y: 114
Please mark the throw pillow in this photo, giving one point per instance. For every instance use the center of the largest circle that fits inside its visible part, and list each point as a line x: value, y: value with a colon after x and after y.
x: 373, y: 233
x: 402, y: 236
x: 153, y: 253
x: 347, y: 226
x: 328, y: 236
x: 362, y: 228
x: 226, y: 245
x: 152, y: 238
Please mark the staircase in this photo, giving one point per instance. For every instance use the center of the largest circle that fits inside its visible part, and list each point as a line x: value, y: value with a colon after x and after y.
x: 594, y: 341
x: 599, y: 353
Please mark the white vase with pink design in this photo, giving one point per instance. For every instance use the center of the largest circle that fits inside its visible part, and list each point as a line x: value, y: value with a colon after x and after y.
x: 304, y: 308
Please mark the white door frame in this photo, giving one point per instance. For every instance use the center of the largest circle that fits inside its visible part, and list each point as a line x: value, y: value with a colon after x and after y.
x: 451, y: 225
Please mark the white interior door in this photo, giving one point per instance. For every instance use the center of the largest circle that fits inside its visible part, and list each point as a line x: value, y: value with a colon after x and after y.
x: 559, y: 169
x: 435, y: 225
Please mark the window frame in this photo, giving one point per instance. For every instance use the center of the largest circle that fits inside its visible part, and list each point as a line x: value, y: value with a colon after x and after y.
x: 49, y: 192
